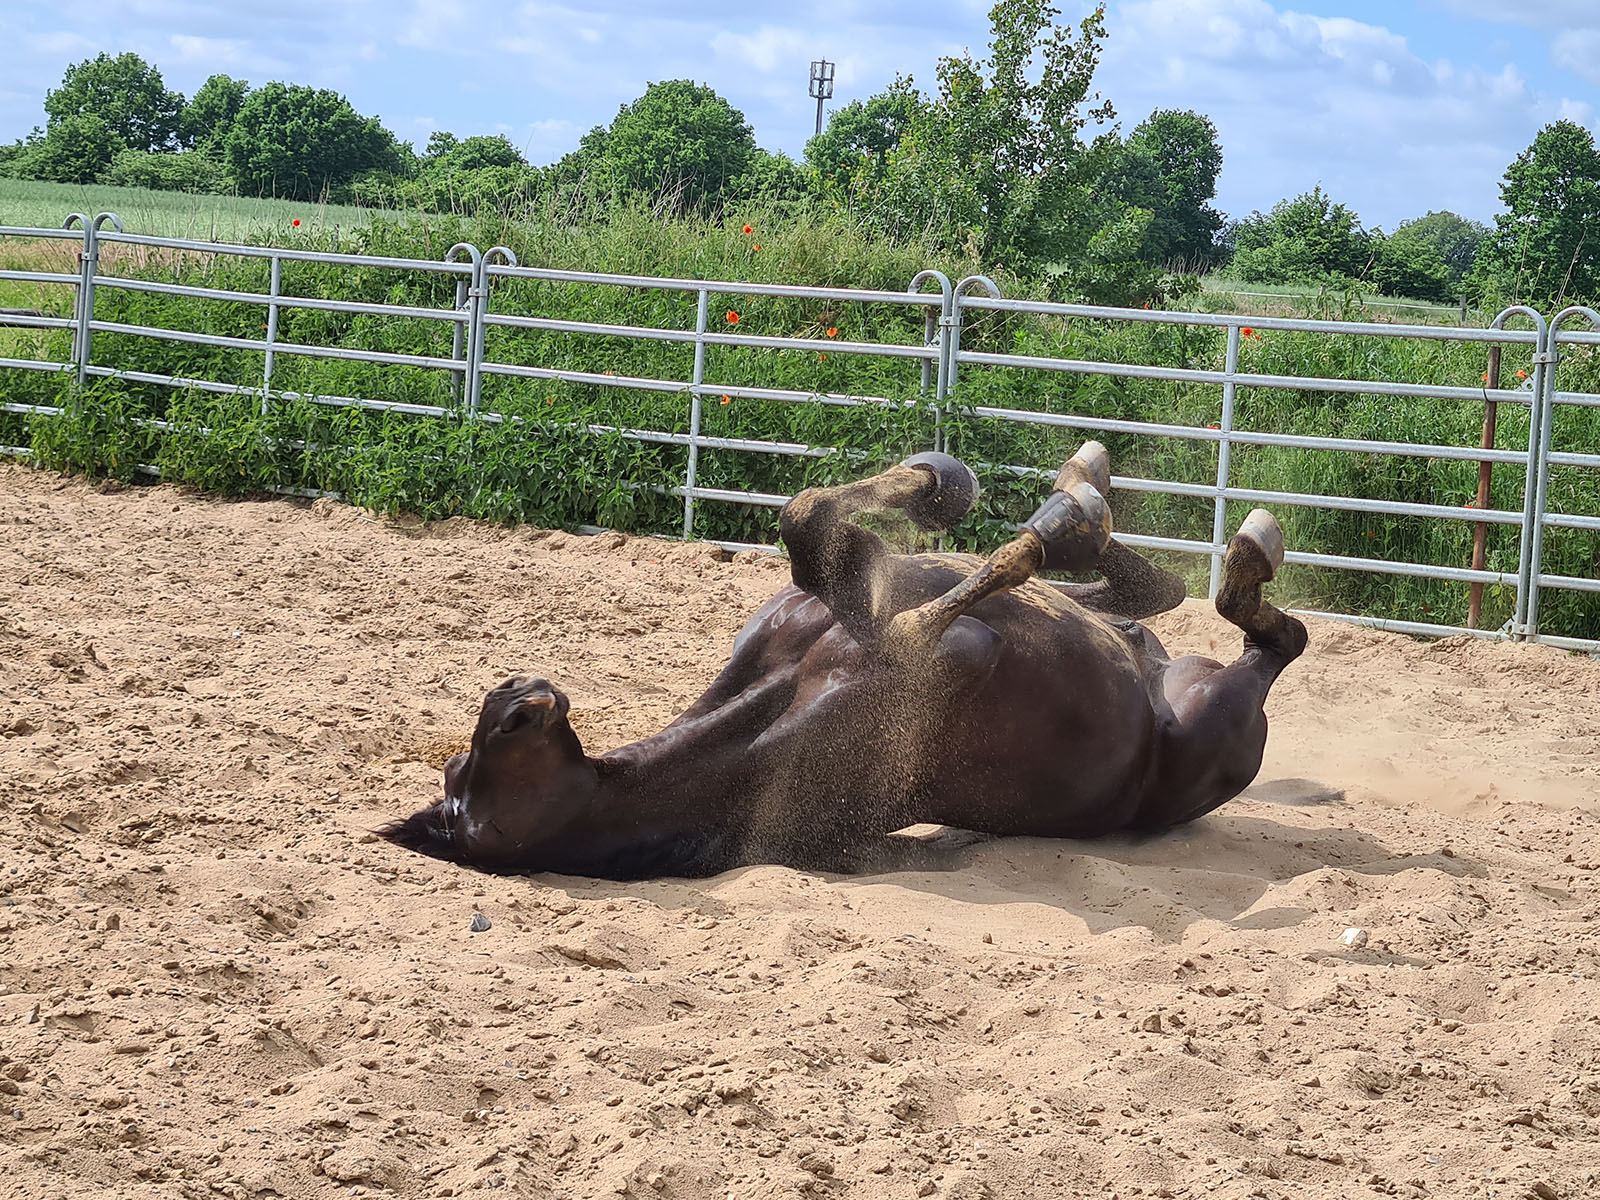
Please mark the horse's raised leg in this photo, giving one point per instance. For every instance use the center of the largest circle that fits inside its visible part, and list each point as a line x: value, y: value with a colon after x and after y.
x: 1131, y: 586
x: 1069, y: 531
x: 1218, y: 734
x: 841, y: 563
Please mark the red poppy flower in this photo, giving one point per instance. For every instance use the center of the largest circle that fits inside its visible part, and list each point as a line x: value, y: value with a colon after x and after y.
x: 1522, y: 374
x: 833, y: 331
x: 295, y: 222
x: 757, y: 246
x: 747, y: 229
x: 1486, y: 377
x: 1213, y: 426
x: 733, y: 317
x: 1248, y: 332
x: 727, y: 400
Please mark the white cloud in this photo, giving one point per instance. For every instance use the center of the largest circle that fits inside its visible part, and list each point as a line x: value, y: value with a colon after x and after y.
x: 1302, y: 99
x: 1579, y: 51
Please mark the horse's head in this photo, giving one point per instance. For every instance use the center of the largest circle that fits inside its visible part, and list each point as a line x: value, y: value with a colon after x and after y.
x: 522, y: 783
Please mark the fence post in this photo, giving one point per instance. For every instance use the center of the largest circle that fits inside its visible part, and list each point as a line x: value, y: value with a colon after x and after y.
x: 935, y: 332
x: 466, y: 301
x: 1547, y: 423
x: 475, y: 366
x: 1219, y: 516
x: 83, y: 287
x: 89, y: 260
x: 1518, y: 624
x: 692, y: 469
x: 274, y: 291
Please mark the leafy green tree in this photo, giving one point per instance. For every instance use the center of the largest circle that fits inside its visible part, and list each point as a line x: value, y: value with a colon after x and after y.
x: 475, y: 153
x: 75, y: 149
x: 678, y: 141
x: 10, y: 153
x: 208, y: 117
x: 859, y: 137
x: 188, y: 171
x: 1169, y: 165
x: 1407, y: 265
x: 996, y: 164
x: 1456, y: 240
x: 1305, y: 240
x: 125, y: 94
x: 1545, y: 248
x: 440, y: 143
x: 301, y: 143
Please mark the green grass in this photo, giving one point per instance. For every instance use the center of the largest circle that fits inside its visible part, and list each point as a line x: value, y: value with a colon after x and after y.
x: 541, y: 466
x: 1219, y: 293
x: 26, y: 202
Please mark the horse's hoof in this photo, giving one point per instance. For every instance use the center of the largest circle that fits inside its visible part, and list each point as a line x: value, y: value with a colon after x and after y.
x: 1074, y: 526
x: 1262, y: 531
x: 955, y: 490
x: 1091, y: 465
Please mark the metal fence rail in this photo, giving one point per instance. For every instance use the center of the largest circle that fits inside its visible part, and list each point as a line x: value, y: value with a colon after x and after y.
x: 941, y: 360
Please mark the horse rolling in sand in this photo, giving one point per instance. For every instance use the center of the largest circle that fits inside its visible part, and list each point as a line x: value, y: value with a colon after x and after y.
x: 881, y: 690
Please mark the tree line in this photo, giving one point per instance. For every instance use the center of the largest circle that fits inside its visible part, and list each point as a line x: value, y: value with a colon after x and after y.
x: 1012, y: 160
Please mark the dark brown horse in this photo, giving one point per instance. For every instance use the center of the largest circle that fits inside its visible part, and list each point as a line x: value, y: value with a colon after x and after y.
x: 881, y: 690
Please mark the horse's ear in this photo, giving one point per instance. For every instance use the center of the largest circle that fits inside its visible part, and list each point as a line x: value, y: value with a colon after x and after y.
x: 423, y: 832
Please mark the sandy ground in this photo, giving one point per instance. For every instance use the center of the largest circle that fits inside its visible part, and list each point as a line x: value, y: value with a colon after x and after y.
x: 214, y: 981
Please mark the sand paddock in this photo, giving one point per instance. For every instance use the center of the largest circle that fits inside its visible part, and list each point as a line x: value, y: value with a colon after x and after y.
x: 214, y: 982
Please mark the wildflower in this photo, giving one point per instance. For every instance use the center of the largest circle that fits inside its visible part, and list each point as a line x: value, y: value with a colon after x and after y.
x: 549, y: 399
x: 727, y: 400
x: 1213, y: 426
x: 757, y: 246
x: 733, y: 317
x: 1248, y: 332
x: 1522, y: 374
x: 833, y: 331
x: 263, y: 327
x: 748, y: 229
x: 295, y: 222
x: 822, y: 358
x: 1486, y: 377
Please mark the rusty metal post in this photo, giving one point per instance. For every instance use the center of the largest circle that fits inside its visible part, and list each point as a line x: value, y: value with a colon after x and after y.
x: 1480, y: 531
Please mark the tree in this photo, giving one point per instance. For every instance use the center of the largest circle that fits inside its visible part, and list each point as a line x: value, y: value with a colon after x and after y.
x: 1545, y: 247
x: 475, y: 153
x: 302, y: 143
x: 1407, y: 265
x: 1170, y: 165
x: 679, y: 140
x: 1309, y: 239
x: 1456, y: 240
x: 995, y: 165
x: 208, y: 117
x: 125, y: 94
x: 188, y: 171
x: 860, y: 136
x: 75, y: 149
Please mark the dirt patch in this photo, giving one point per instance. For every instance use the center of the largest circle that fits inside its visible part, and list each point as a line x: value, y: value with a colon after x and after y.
x: 214, y: 981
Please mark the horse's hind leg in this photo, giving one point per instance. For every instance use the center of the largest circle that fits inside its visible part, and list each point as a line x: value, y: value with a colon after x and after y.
x: 1131, y: 586
x: 1214, y: 746
x: 1070, y: 531
x: 841, y: 563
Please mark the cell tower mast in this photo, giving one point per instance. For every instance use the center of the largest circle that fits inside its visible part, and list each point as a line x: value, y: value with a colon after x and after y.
x: 821, y: 86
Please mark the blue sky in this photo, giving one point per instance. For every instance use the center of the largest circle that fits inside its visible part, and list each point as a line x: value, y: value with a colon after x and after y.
x: 1394, y: 106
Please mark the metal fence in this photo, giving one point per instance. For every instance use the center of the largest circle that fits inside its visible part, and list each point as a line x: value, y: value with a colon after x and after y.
x: 940, y: 360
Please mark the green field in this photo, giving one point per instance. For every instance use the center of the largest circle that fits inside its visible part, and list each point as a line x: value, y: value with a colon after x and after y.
x: 30, y: 203
x: 1221, y: 294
